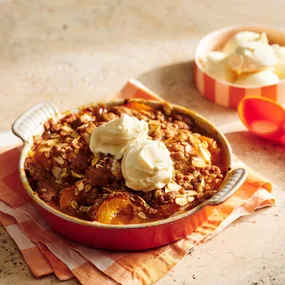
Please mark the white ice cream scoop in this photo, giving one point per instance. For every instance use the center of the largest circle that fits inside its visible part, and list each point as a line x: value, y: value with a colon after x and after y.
x: 262, y: 78
x: 280, y: 66
x: 252, y: 58
x: 147, y: 165
x: 242, y: 39
x: 113, y: 136
x: 215, y: 63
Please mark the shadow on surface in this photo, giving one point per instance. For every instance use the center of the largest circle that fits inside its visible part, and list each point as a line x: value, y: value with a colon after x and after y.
x: 265, y: 157
x: 174, y: 83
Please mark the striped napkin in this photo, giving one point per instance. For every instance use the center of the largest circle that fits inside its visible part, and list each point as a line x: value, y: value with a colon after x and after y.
x: 46, y: 252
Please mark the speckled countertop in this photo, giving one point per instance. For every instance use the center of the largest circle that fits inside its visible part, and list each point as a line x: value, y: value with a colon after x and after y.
x: 73, y: 52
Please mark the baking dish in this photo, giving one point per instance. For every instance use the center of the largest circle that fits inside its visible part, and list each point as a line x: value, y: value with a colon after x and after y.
x: 124, y: 237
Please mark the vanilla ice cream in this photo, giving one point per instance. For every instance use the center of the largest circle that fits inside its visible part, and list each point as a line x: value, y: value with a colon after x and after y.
x: 242, y: 39
x: 215, y: 63
x: 113, y: 136
x: 280, y: 66
x: 247, y: 59
x: 147, y: 165
x: 266, y: 77
x: 252, y: 58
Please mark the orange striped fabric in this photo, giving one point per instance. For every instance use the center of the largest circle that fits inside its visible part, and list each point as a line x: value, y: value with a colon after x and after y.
x: 37, y: 261
x: 46, y: 252
x: 59, y: 268
x: 227, y: 95
x: 134, y: 89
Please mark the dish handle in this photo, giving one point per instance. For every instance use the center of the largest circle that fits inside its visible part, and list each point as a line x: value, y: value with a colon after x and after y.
x: 234, y: 180
x: 31, y: 121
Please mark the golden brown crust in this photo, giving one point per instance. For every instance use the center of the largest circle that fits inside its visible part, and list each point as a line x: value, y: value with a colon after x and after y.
x: 66, y: 174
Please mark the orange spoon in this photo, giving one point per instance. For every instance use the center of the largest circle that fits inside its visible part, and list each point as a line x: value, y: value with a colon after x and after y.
x: 263, y: 117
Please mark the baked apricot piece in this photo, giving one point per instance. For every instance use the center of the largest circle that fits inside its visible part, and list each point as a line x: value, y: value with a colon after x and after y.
x: 66, y: 196
x: 117, y: 209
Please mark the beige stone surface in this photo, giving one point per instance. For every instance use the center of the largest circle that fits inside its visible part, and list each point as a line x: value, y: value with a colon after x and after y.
x: 73, y: 52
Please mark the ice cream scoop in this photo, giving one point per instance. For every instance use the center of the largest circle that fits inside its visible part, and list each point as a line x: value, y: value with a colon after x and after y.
x: 261, y: 78
x: 113, y: 136
x: 215, y: 63
x: 243, y: 39
x: 147, y: 165
x: 252, y: 58
x: 280, y: 54
x: 263, y: 117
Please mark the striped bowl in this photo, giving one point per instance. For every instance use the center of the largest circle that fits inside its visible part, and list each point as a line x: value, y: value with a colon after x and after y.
x: 225, y: 93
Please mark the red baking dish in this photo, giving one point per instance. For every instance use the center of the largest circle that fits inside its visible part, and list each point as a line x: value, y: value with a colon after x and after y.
x: 124, y: 237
